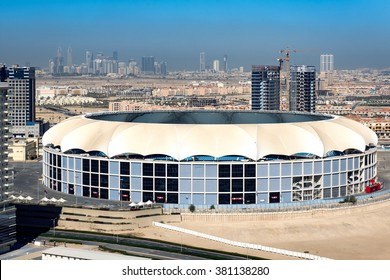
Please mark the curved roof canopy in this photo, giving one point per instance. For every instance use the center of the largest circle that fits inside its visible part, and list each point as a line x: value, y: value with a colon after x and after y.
x: 182, y: 134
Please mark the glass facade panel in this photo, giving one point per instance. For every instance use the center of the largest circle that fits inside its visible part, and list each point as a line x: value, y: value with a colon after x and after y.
x: 159, y: 169
x: 185, y: 185
x: 285, y: 197
x: 185, y: 170
x: 224, y: 170
x: 114, y: 182
x: 343, y: 178
x: 318, y: 167
x: 211, y: 170
x: 237, y: 185
x: 250, y: 170
x: 274, y: 184
x: 172, y: 185
x: 104, y: 166
x: 147, y: 169
x: 262, y: 170
x: 211, y: 185
x: 286, y: 183
x: 135, y: 183
x: 335, y: 179
x: 136, y: 196
x: 64, y: 162
x: 114, y: 167
x: 211, y: 199
x: 286, y: 169
x: 262, y: 184
x: 297, y: 168
x: 172, y: 170
x: 114, y: 194
x: 237, y: 170
x: 198, y: 170
x: 327, y: 182
x: 327, y: 167
x: 94, y: 166
x: 224, y: 185
x: 274, y: 169
x: 125, y: 168
x: 198, y: 185
x: 250, y: 185
x: 343, y: 165
x: 159, y: 184
x: 147, y: 184
x: 308, y: 168
x: 198, y: 198
x: 136, y: 168
x: 71, y: 163
x: 335, y: 165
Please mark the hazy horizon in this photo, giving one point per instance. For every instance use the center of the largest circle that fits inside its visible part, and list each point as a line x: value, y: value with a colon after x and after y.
x: 249, y: 32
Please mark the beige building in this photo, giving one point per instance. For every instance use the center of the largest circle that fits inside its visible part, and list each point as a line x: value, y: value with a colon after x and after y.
x: 22, y: 150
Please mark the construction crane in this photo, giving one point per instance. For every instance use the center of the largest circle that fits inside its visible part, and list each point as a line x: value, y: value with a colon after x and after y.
x: 284, y: 97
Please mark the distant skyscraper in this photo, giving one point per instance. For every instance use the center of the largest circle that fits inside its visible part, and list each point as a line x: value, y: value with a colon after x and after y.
x: 69, y: 57
x: 302, y: 88
x: 265, y: 87
x: 89, y: 61
x: 326, y: 71
x: 202, y: 62
x: 147, y: 65
x: 60, y: 61
x: 163, y: 68
x: 115, y: 55
x: 326, y: 63
x: 216, y: 65
x: 225, y: 63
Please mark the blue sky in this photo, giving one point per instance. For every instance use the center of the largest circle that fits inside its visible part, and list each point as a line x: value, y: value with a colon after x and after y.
x: 357, y: 32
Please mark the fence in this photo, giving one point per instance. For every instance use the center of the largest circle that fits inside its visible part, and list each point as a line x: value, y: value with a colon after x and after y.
x: 242, y: 244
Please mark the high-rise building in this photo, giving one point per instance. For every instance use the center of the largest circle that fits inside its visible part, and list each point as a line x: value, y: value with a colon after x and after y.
x: 216, y: 65
x: 89, y: 61
x: 69, y: 57
x: 147, y: 65
x: 302, y: 95
x: 59, y: 61
x: 7, y: 211
x: 326, y: 63
x: 21, y: 103
x: 225, y: 63
x: 115, y: 55
x: 265, y: 87
x: 326, y: 71
x: 202, y: 62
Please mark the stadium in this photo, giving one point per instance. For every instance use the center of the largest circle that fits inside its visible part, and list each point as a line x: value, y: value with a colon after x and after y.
x: 224, y: 158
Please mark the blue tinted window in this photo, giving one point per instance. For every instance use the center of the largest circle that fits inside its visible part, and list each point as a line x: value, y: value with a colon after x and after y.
x: 198, y: 170
x: 262, y: 170
x: 262, y: 184
x: 198, y: 185
x: 211, y: 170
x: 286, y: 169
x: 211, y: 185
x: 308, y: 168
x: 136, y: 168
x: 274, y: 169
x: 297, y: 168
x: 185, y: 170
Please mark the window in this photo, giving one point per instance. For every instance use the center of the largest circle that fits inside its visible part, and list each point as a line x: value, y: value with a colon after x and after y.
x: 237, y: 170
x: 147, y: 184
x: 147, y: 169
x: 224, y: 170
x: 237, y: 185
x: 250, y: 170
x: 125, y: 168
x: 224, y: 185
x: 94, y: 166
x: 159, y: 169
x: 172, y: 185
x: 250, y: 185
x: 103, y: 166
x: 159, y: 184
x: 172, y: 170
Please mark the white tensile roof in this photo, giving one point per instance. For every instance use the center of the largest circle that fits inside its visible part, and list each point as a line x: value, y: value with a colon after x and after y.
x: 182, y: 140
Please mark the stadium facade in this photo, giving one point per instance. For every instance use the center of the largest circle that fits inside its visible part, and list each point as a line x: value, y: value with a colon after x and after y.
x: 209, y: 158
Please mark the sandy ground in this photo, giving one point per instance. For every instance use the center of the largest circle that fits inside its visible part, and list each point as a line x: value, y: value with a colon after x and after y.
x: 362, y: 234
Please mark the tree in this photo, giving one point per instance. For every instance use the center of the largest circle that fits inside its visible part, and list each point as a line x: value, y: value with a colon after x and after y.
x: 192, y: 208
x: 212, y: 207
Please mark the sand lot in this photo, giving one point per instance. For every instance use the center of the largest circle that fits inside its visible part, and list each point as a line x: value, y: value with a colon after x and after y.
x: 358, y: 233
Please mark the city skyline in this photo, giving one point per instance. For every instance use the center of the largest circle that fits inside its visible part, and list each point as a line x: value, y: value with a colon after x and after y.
x: 249, y: 32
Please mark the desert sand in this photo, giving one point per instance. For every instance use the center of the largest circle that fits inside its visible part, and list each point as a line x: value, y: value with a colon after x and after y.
x: 358, y: 233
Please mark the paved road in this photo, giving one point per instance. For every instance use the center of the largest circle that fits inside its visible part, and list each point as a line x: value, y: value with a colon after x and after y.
x: 146, y: 248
